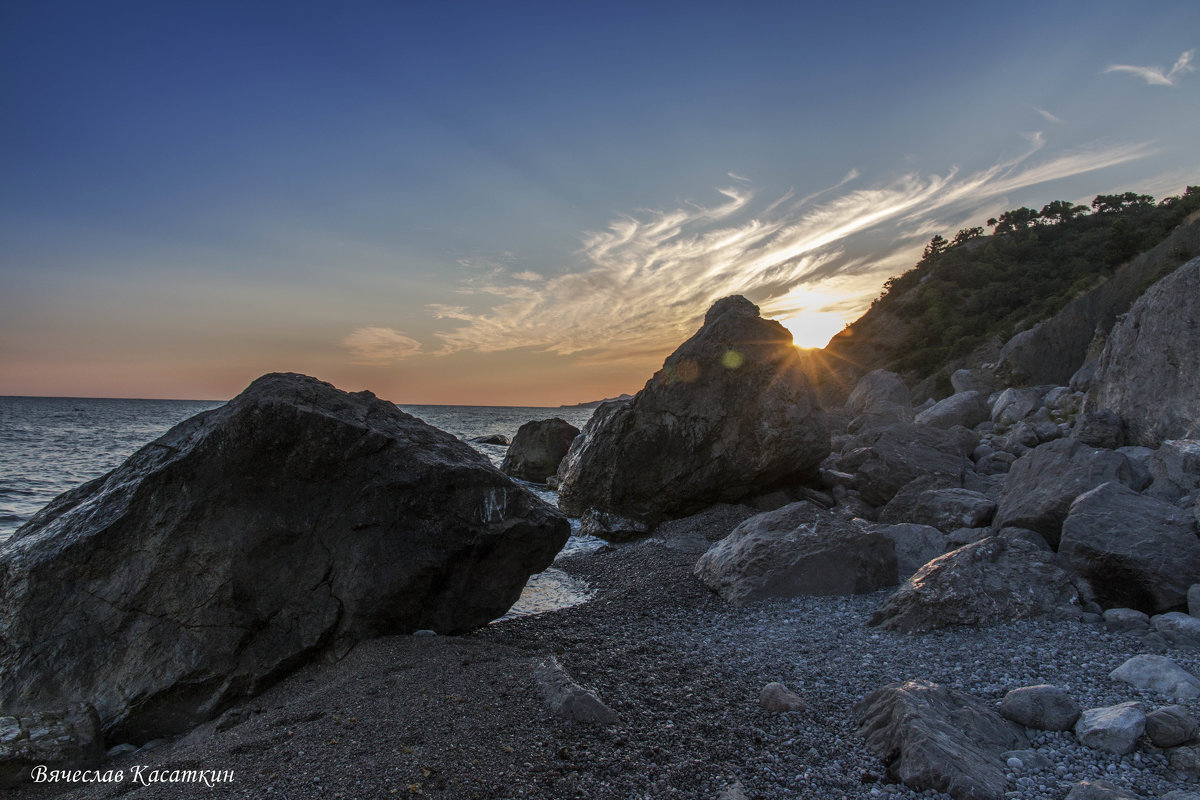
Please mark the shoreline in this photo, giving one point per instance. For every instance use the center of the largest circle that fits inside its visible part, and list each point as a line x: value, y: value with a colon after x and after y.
x: 461, y: 717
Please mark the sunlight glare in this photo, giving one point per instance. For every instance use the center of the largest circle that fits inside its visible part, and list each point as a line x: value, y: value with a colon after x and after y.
x: 813, y: 329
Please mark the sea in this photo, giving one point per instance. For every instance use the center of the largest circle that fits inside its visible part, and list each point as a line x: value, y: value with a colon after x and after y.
x: 49, y: 445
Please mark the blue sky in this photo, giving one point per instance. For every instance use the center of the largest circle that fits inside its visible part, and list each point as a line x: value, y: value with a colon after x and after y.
x: 534, y: 203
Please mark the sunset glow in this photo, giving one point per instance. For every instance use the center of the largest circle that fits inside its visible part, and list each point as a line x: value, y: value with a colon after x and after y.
x: 813, y: 329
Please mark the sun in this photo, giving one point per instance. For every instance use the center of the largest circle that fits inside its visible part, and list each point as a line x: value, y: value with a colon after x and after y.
x: 813, y: 329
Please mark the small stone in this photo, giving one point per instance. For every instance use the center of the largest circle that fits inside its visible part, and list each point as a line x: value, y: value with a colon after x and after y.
x: 1170, y: 726
x: 1100, y: 790
x: 1120, y: 620
x: 778, y: 699
x: 1114, y: 729
x: 424, y: 632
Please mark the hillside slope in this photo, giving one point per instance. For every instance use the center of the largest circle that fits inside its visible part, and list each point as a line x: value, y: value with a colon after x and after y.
x: 1053, y: 279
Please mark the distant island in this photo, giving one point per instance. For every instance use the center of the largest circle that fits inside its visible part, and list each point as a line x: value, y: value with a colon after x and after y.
x: 597, y: 403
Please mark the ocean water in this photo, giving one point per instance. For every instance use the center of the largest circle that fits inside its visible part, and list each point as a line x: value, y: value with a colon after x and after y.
x: 49, y: 445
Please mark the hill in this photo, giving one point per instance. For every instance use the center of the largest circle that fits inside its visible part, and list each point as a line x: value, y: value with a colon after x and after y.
x: 969, y: 296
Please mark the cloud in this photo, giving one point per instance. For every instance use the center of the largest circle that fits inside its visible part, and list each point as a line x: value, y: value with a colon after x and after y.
x: 377, y: 346
x: 649, y: 276
x: 1155, y: 75
x: 1049, y: 117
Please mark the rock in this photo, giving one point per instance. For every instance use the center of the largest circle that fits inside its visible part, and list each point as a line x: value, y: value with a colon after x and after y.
x: 883, y: 460
x: 1033, y: 537
x: 998, y: 463
x: 972, y: 380
x: 1139, y: 462
x: 777, y: 699
x: 64, y: 738
x: 950, y: 509
x: 1099, y: 428
x: 801, y: 549
x: 491, y: 438
x: 1124, y: 620
x: 988, y: 581
x: 730, y: 415
x: 1175, y: 469
x: 967, y: 409
x: 1026, y: 760
x: 1014, y: 405
x: 292, y: 521
x: 902, y: 508
x: 934, y: 737
x: 1186, y: 759
x: 1179, y: 629
x: 1193, y: 599
x: 1149, y: 371
x: 734, y: 791
x: 538, y: 448
x: 1114, y: 729
x: 1046, y: 708
x: 1170, y: 726
x: 914, y: 545
x: 880, y: 394
x: 1158, y: 674
x: 1043, y: 483
x: 1153, y: 642
x: 1100, y: 790
x: 567, y: 699
x: 1181, y: 794
x: 1136, y: 552
x: 612, y: 527
x: 962, y: 536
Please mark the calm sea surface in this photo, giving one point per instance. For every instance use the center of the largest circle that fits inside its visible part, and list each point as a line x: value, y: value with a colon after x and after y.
x: 51, y: 444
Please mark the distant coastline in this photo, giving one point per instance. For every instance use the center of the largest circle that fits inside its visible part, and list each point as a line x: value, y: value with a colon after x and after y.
x: 598, y: 403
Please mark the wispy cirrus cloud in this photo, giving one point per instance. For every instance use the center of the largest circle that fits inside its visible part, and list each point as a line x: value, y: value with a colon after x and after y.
x: 650, y: 276
x: 1156, y: 76
x: 378, y: 346
x: 1046, y: 115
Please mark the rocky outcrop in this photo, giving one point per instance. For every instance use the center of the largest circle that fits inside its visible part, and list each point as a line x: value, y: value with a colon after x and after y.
x: 984, y: 582
x: 800, y: 549
x: 729, y: 416
x: 934, y: 737
x: 1135, y: 551
x: 1042, y: 484
x: 1149, y: 371
x: 293, y: 520
x: 538, y: 449
x: 67, y: 738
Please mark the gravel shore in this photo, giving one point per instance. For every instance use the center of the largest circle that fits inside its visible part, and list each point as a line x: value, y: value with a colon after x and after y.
x: 461, y: 717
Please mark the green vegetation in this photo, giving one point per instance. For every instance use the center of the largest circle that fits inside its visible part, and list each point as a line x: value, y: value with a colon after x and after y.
x: 968, y: 289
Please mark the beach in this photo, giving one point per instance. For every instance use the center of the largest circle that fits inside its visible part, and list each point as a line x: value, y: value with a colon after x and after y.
x: 462, y: 716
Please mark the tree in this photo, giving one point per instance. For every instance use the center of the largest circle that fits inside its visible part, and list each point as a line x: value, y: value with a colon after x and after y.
x: 967, y: 234
x: 937, y: 245
x: 1016, y: 220
x: 1114, y: 203
x: 1061, y: 211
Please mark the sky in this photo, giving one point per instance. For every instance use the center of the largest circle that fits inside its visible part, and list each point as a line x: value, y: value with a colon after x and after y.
x: 517, y: 203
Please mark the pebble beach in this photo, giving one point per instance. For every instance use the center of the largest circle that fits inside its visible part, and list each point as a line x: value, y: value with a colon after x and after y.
x: 462, y: 716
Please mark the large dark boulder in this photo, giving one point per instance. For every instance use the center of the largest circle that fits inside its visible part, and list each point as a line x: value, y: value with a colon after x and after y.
x: 1149, y: 371
x: 1134, y: 550
x: 729, y: 416
x: 58, y: 739
x: 882, y: 460
x: 295, y: 520
x: 538, y: 449
x: 935, y: 737
x: 800, y: 549
x: 1042, y: 484
x: 991, y: 580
